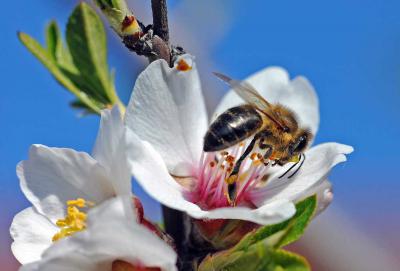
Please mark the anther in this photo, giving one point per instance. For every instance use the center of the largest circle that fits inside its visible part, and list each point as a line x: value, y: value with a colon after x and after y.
x: 74, y: 221
x: 182, y: 65
x: 230, y: 159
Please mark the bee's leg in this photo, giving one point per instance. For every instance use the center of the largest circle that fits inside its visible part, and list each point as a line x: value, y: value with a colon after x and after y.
x: 275, y: 162
x: 234, y: 174
x: 264, y: 144
x: 268, y: 151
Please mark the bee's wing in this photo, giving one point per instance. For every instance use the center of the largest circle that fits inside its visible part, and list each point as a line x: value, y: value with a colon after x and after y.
x: 246, y: 92
x: 251, y: 96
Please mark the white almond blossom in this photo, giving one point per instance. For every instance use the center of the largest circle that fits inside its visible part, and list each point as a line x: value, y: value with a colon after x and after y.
x: 61, y: 182
x: 113, y: 240
x: 167, y: 113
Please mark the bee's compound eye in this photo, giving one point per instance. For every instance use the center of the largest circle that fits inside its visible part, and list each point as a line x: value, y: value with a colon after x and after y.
x: 301, y: 143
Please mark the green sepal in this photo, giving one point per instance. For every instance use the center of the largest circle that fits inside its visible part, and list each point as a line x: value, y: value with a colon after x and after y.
x: 286, y: 232
x: 284, y: 260
x: 257, y: 257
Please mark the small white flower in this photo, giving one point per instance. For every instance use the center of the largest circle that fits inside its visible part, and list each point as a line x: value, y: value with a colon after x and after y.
x: 113, y: 238
x: 167, y: 113
x: 51, y: 177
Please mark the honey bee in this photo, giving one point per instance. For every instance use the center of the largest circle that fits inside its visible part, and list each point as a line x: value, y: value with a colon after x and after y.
x: 272, y: 126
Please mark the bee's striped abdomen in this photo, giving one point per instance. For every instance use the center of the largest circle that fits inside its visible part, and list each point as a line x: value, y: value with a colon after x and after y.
x: 231, y: 127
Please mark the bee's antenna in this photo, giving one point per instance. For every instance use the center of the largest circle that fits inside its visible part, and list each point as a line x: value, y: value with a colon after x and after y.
x: 295, y: 164
x: 223, y: 77
x: 301, y: 164
x: 289, y: 169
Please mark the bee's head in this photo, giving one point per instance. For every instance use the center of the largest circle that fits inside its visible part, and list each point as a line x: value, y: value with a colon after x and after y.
x: 300, y: 142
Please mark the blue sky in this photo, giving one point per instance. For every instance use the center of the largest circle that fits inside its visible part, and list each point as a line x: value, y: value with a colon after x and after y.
x: 350, y: 51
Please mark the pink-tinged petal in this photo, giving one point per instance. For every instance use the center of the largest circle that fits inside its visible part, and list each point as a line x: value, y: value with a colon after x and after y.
x: 112, y: 234
x: 275, y: 86
x: 324, y: 194
x: 167, y: 110
x: 152, y: 174
x: 32, y: 234
x: 317, y: 166
x: 51, y: 176
x: 110, y: 150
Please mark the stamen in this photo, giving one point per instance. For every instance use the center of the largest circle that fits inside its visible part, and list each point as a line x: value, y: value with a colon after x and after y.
x: 182, y: 65
x: 210, y: 181
x: 74, y: 221
x: 215, y: 169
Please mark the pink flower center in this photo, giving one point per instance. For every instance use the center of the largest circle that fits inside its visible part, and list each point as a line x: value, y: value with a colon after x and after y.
x: 211, y: 190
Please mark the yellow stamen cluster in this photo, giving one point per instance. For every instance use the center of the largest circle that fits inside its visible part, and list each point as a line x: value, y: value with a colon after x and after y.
x: 74, y: 221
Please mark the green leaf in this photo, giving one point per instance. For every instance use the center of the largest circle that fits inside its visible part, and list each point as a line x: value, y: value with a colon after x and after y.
x: 285, y: 232
x: 304, y: 212
x: 53, y: 39
x: 86, y: 39
x: 82, y: 70
x: 260, y: 249
x: 57, y: 50
x: 49, y: 62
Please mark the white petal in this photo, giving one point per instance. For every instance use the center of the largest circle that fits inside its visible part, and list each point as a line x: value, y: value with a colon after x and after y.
x: 152, y: 174
x: 324, y: 194
x: 267, y: 214
x: 111, y: 234
x: 275, y: 86
x: 32, y: 234
x: 167, y: 109
x: 51, y: 176
x: 318, y: 164
x: 109, y: 134
x: 110, y: 150
x: 69, y: 262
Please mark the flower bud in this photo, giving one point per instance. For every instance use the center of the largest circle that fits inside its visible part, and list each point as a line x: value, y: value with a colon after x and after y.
x: 120, y: 17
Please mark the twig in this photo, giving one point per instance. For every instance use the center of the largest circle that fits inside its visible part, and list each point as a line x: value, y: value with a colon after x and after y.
x: 173, y: 219
x: 173, y: 222
x: 160, y: 19
x: 151, y: 41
